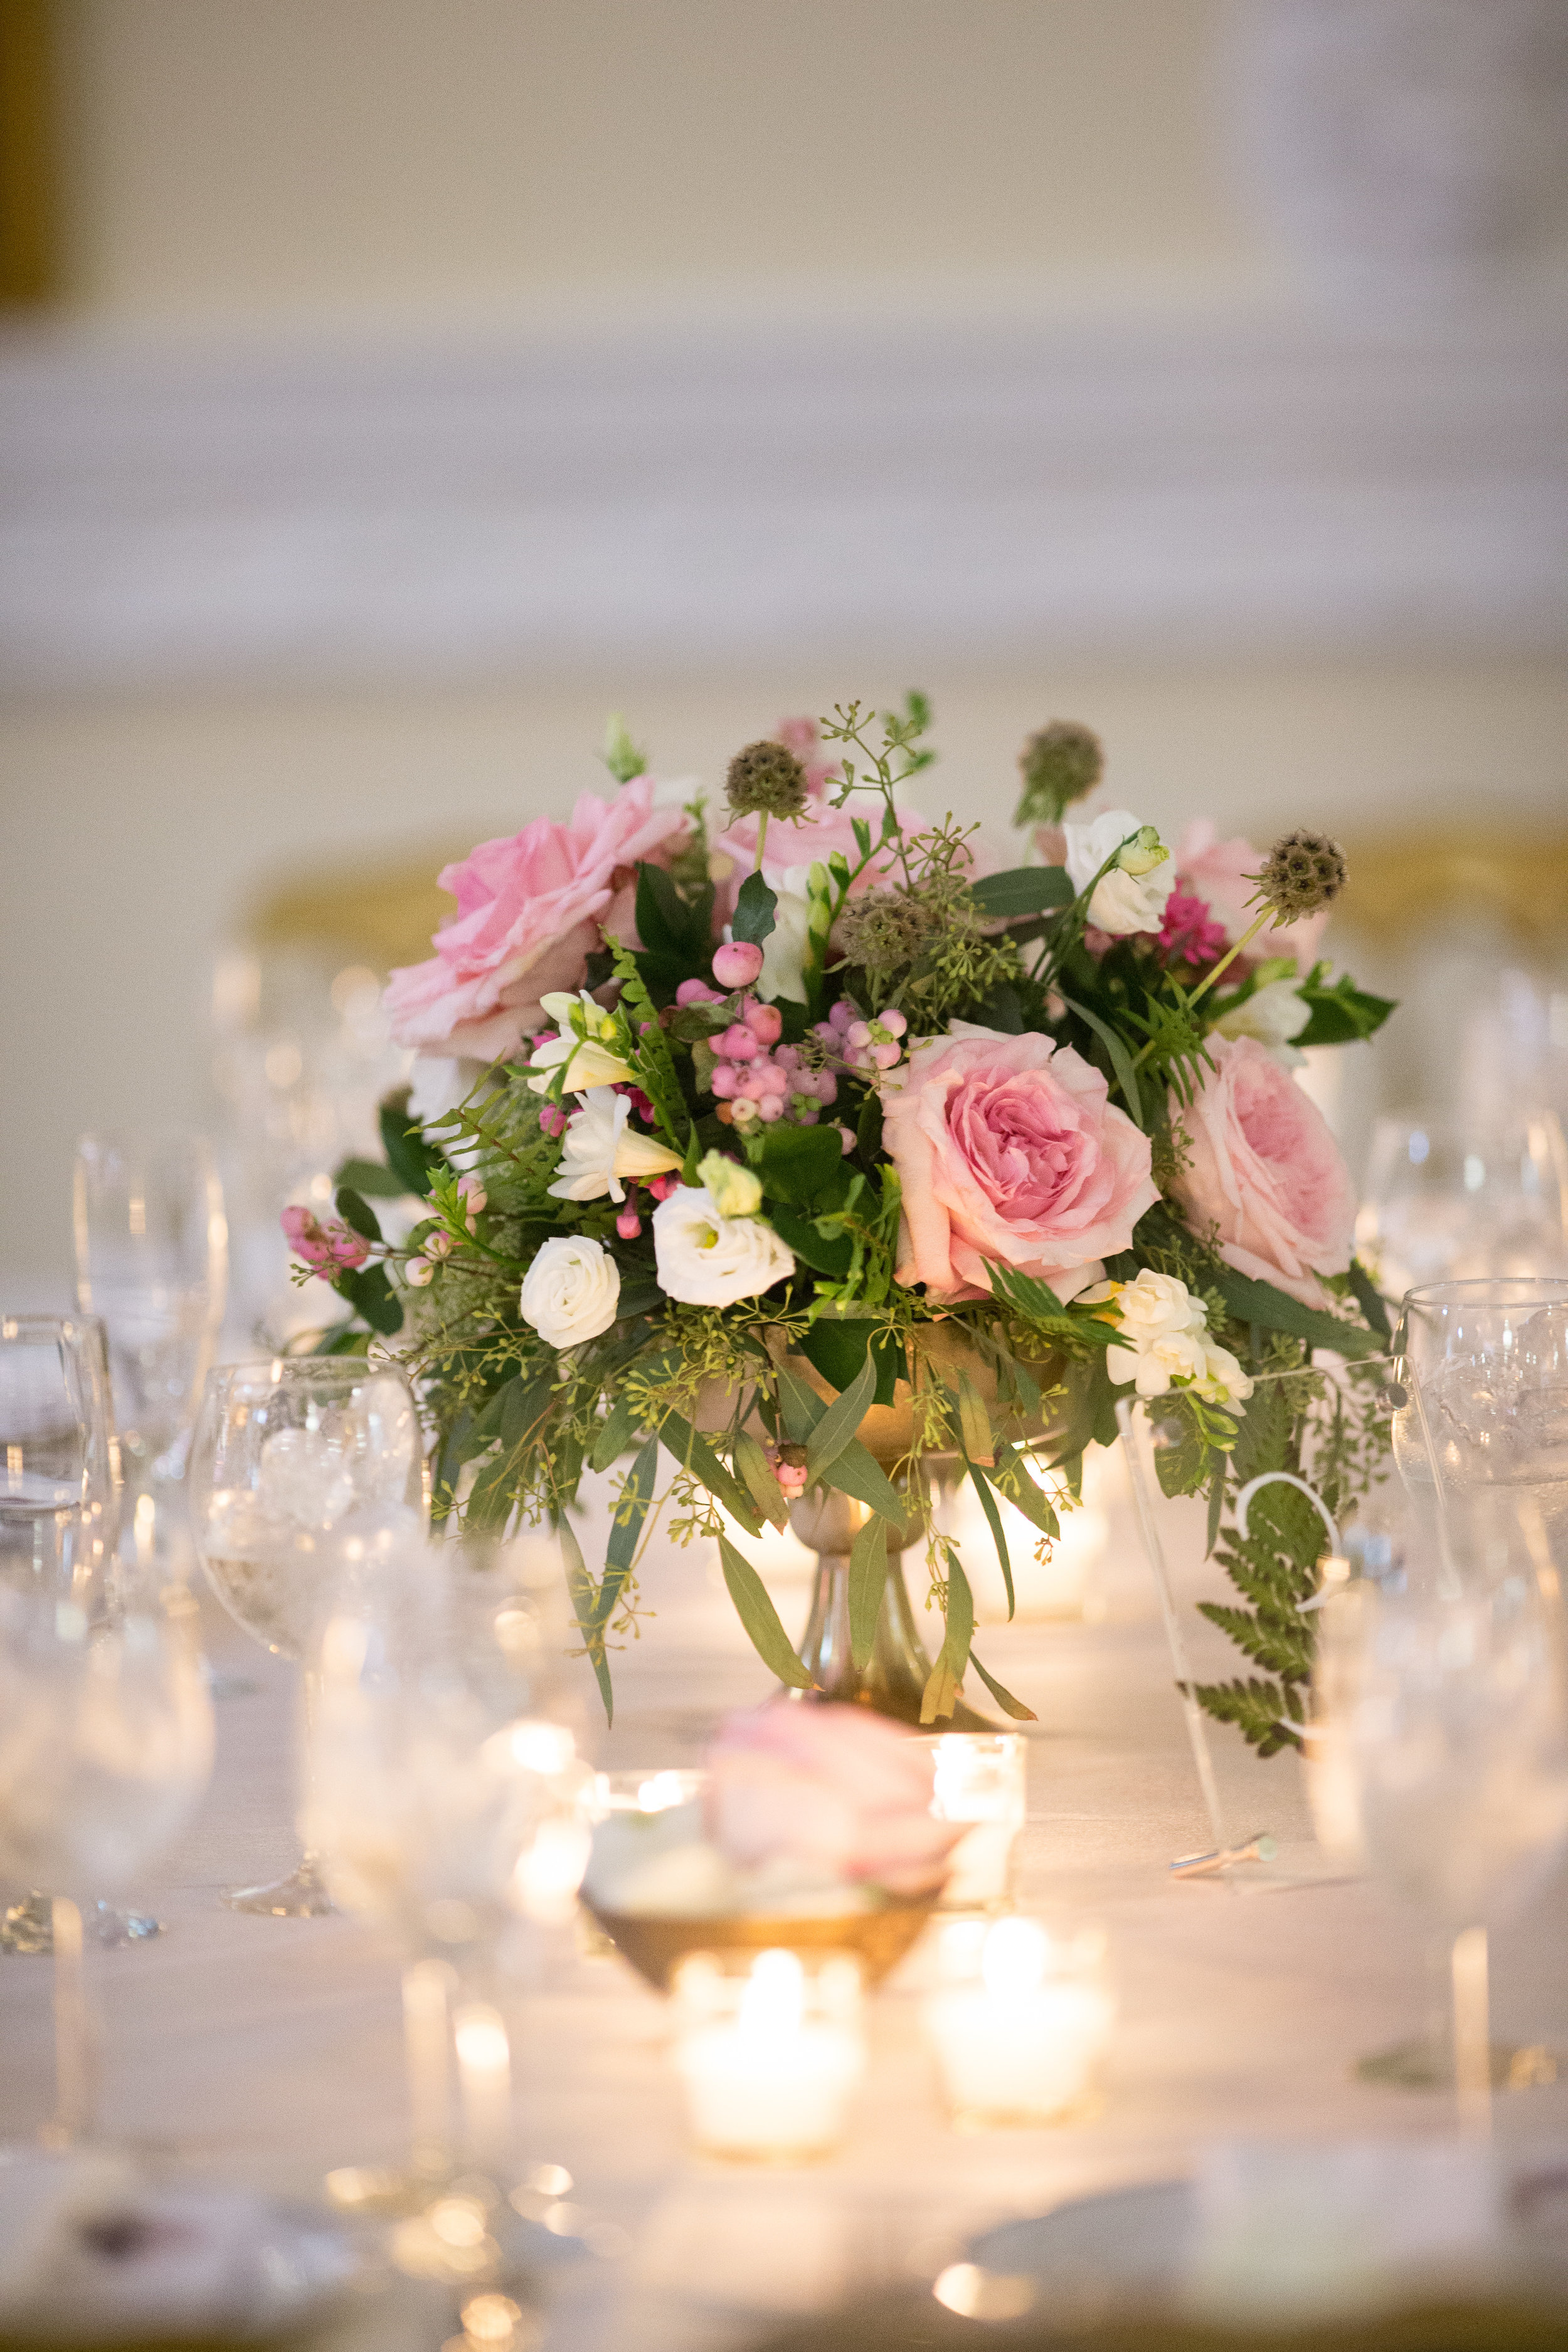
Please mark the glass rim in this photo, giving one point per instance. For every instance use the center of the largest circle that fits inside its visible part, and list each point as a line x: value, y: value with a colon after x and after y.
x: 42, y: 1326
x: 1473, y: 1290
x: 272, y: 1370
x: 115, y: 1138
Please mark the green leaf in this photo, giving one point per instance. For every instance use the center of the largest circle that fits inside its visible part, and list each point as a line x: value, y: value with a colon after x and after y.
x: 800, y: 1405
x: 407, y: 1152
x: 1180, y: 1467
x: 838, y: 1425
x: 1011, y: 1478
x: 868, y: 1126
x: 1022, y: 890
x: 857, y: 1473
x: 763, y: 1486
x: 755, y: 910
x: 1002, y: 1696
x: 838, y: 1345
x: 690, y: 1447
x: 832, y: 1256
x: 975, y: 1422
x: 994, y: 1518
x: 358, y: 1215
x: 760, y: 1618
x: 1216, y: 1506
x: 370, y: 1177
x: 585, y: 1609
x: 1259, y: 1302
x: 369, y: 1294
x: 1340, y: 1014
x: 1120, y: 1059
x: 1371, y: 1301
x: 942, y: 1691
x: 802, y: 1165
x: 867, y: 1582
x: 631, y: 1510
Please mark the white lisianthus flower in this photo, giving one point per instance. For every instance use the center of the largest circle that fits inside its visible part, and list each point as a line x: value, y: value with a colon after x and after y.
x: 571, y: 1291
x: 707, y: 1259
x: 784, y: 950
x: 1132, y: 897
x: 735, y: 1190
x: 583, y: 1026
x: 1273, y: 1014
x: 599, y: 1149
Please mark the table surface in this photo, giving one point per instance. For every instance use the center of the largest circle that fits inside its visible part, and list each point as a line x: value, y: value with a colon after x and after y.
x: 264, y: 2051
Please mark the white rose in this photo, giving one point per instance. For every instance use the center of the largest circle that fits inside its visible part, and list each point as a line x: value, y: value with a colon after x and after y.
x: 571, y: 1291
x: 600, y: 1149
x: 1273, y: 1014
x: 1132, y: 897
x: 709, y: 1259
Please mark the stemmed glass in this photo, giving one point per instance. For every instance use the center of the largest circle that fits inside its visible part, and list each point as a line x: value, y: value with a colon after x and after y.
x: 59, y: 1507
x: 290, y: 1455
x: 1449, y: 1199
x: 106, y: 1746
x: 444, y: 1808
x: 1443, y: 1717
x: 151, y: 1256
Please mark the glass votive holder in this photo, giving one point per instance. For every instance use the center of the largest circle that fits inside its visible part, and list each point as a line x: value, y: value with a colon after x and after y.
x: 770, y: 2054
x: 1020, y: 2041
x: 979, y: 1778
x: 645, y: 1789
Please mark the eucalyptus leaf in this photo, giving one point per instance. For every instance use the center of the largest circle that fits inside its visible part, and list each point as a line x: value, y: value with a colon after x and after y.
x: 760, y: 1618
x: 867, y: 1583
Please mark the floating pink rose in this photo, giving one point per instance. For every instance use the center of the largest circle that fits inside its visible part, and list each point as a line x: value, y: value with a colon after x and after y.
x: 1220, y: 874
x: 1008, y: 1151
x: 1265, y: 1174
x: 832, y: 1785
x: 328, y: 1247
x: 529, y: 911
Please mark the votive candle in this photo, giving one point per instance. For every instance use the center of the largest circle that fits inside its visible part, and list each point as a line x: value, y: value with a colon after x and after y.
x: 1022, y: 2046
x: 770, y: 2084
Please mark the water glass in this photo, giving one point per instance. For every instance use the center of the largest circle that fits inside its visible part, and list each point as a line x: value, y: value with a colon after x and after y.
x: 57, y: 1457
x: 1449, y: 1199
x: 151, y: 1256
x: 291, y: 1456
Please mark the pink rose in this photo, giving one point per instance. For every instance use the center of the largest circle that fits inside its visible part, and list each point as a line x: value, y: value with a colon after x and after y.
x: 1008, y: 1149
x: 1218, y: 873
x: 1265, y: 1173
x: 833, y: 1785
x: 529, y: 911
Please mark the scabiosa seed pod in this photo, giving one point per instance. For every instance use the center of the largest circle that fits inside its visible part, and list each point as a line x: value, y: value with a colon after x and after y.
x: 1300, y: 874
x: 884, y: 930
x: 766, y: 779
x: 1060, y: 764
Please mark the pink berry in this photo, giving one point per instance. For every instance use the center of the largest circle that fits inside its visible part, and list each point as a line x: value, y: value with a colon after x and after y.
x: 840, y: 1016
x: 552, y: 1119
x: 738, y: 1044
x: 696, y: 992
x: 766, y: 1022
x: 771, y: 1107
x: 894, y: 1022
x: 737, y: 964
x: 857, y: 1033
x: 758, y: 1083
x: 725, y: 1081
x: 807, y: 1114
x: 847, y: 1138
x: 628, y: 1224
x: 886, y: 1058
x: 826, y: 1087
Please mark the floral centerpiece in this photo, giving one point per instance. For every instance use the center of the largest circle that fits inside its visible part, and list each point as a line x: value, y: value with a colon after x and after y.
x: 729, y: 1127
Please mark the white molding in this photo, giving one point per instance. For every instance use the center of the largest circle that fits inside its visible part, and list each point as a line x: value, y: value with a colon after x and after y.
x: 278, y: 514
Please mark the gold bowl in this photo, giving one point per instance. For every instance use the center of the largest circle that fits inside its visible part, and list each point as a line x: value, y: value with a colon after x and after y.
x: 877, y: 1939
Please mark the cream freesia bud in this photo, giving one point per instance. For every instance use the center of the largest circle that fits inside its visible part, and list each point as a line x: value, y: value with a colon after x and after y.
x: 735, y: 1190
x: 1132, y: 897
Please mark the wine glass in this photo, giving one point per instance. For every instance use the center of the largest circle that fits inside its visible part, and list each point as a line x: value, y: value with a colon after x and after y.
x: 444, y: 1807
x: 106, y: 1746
x: 59, y: 1505
x: 1445, y: 1199
x: 1484, y: 1427
x: 291, y: 1454
x: 151, y: 1256
x: 1442, y: 1718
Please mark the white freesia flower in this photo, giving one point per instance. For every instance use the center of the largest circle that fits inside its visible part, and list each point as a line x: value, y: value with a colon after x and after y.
x: 1164, y: 1338
x: 600, y: 1149
x: 583, y: 1026
x: 710, y: 1260
x: 571, y: 1291
x: 1273, y: 1014
x: 1132, y: 897
x: 735, y: 1190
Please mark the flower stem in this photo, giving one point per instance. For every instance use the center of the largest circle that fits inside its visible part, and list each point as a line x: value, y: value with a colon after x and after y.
x: 762, y: 836
x: 1209, y: 978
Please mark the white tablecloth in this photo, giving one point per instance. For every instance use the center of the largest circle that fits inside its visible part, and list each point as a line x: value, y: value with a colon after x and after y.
x: 265, y: 2052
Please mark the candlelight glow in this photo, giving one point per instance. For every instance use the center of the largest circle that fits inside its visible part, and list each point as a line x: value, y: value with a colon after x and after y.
x: 1013, y: 1964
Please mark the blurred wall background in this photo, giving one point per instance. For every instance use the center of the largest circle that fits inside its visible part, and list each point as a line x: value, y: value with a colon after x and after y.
x: 417, y: 384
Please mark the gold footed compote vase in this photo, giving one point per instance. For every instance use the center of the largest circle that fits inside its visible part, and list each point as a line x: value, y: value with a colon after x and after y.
x: 894, y: 1677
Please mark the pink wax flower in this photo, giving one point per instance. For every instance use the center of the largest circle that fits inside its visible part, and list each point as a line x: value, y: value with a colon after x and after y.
x: 329, y: 1247
x: 836, y: 1786
x: 1217, y: 872
x: 1008, y: 1149
x: 530, y: 910
x: 1266, y: 1174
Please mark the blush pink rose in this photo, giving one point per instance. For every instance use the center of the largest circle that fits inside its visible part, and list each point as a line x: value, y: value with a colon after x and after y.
x: 1266, y: 1174
x: 836, y: 1786
x: 1218, y: 873
x: 1008, y: 1149
x: 531, y: 909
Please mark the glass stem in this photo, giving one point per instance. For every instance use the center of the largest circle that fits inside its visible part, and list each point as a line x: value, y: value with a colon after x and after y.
x: 1472, y: 2030
x: 74, y: 2055
x: 428, y: 1986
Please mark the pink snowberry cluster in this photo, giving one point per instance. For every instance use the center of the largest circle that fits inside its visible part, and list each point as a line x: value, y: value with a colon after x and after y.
x: 329, y: 1248
x: 787, y: 1464
x: 864, y: 1044
x: 755, y: 1076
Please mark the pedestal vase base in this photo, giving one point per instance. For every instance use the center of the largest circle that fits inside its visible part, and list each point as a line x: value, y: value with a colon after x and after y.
x: 1428, y: 2065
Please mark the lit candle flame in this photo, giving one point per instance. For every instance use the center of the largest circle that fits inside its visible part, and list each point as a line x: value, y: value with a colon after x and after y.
x: 1013, y: 1961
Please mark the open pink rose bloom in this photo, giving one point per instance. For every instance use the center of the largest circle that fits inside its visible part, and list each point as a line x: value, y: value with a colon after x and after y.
x: 1007, y: 1149
x: 531, y: 910
x: 834, y: 1786
x: 1266, y: 1175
